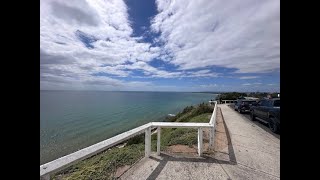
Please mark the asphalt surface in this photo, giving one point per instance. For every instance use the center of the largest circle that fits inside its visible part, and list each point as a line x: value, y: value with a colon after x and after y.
x: 262, y: 125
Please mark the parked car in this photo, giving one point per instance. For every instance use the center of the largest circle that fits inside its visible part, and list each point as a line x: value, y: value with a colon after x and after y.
x: 243, y: 105
x: 267, y: 111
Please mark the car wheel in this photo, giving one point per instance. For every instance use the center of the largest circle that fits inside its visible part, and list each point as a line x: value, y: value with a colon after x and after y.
x: 252, y: 117
x: 273, y: 125
x: 239, y: 110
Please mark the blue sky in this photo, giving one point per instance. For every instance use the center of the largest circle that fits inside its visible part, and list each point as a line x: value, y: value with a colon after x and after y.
x: 160, y: 45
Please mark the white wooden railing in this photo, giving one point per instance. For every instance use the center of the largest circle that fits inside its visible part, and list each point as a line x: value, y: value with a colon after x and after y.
x: 56, y: 165
x: 228, y: 101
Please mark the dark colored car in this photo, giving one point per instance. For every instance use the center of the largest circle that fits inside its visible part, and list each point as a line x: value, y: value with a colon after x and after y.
x: 243, y: 105
x: 267, y: 111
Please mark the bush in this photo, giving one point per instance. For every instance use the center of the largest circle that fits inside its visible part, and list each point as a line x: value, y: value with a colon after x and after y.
x: 180, y: 114
x: 203, y: 108
x: 136, y: 140
x: 183, y: 136
x: 103, y: 165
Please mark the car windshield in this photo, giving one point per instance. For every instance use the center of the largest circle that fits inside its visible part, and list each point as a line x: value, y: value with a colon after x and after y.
x: 276, y: 103
x: 247, y: 102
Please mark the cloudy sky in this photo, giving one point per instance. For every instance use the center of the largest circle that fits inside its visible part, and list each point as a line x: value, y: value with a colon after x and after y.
x: 160, y: 45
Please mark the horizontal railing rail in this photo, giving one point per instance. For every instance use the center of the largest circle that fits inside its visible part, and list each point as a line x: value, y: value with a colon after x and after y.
x: 61, y: 163
x: 179, y: 125
x: 228, y: 101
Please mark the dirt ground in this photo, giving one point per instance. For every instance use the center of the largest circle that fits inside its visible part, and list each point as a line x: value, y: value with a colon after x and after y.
x: 221, y: 141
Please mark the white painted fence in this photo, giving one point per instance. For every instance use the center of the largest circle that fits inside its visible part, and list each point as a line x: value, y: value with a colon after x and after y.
x: 56, y: 165
x: 228, y: 101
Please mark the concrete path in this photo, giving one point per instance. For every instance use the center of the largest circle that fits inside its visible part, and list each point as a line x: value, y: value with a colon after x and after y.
x: 243, y: 150
x: 256, y: 151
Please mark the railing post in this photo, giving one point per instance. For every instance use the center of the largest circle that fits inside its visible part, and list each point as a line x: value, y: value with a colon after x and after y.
x: 158, y: 140
x: 200, y: 141
x: 211, y: 140
x: 147, y: 147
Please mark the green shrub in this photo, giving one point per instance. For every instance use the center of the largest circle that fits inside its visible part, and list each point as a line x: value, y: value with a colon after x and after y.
x: 136, y: 140
x: 103, y: 165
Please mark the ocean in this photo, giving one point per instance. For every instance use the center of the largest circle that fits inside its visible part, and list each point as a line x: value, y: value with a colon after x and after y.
x: 72, y: 120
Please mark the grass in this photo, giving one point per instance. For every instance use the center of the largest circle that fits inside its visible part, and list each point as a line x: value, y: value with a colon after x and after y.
x: 183, y: 136
x: 105, y: 164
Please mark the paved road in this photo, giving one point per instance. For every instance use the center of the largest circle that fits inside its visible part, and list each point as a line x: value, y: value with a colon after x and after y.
x: 262, y: 125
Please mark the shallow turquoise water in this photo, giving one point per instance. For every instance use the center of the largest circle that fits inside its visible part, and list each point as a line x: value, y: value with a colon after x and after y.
x: 72, y: 120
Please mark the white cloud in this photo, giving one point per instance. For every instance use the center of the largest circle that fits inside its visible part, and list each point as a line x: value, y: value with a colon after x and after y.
x: 273, y: 85
x: 248, y: 77
x: 104, y: 24
x: 248, y: 84
x: 202, y: 73
x: 236, y: 34
x: 151, y: 71
x: 208, y: 85
x: 232, y: 88
x: 225, y: 34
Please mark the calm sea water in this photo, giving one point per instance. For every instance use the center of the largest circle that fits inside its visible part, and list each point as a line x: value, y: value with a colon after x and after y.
x: 72, y: 120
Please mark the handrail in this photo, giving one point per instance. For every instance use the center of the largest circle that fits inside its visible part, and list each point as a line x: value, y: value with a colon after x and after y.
x: 81, y: 154
x: 68, y: 160
x: 213, y: 116
x: 212, y: 122
x: 180, y: 125
x: 225, y: 101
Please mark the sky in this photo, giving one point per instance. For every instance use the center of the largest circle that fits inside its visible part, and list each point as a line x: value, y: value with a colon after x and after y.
x: 160, y: 45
